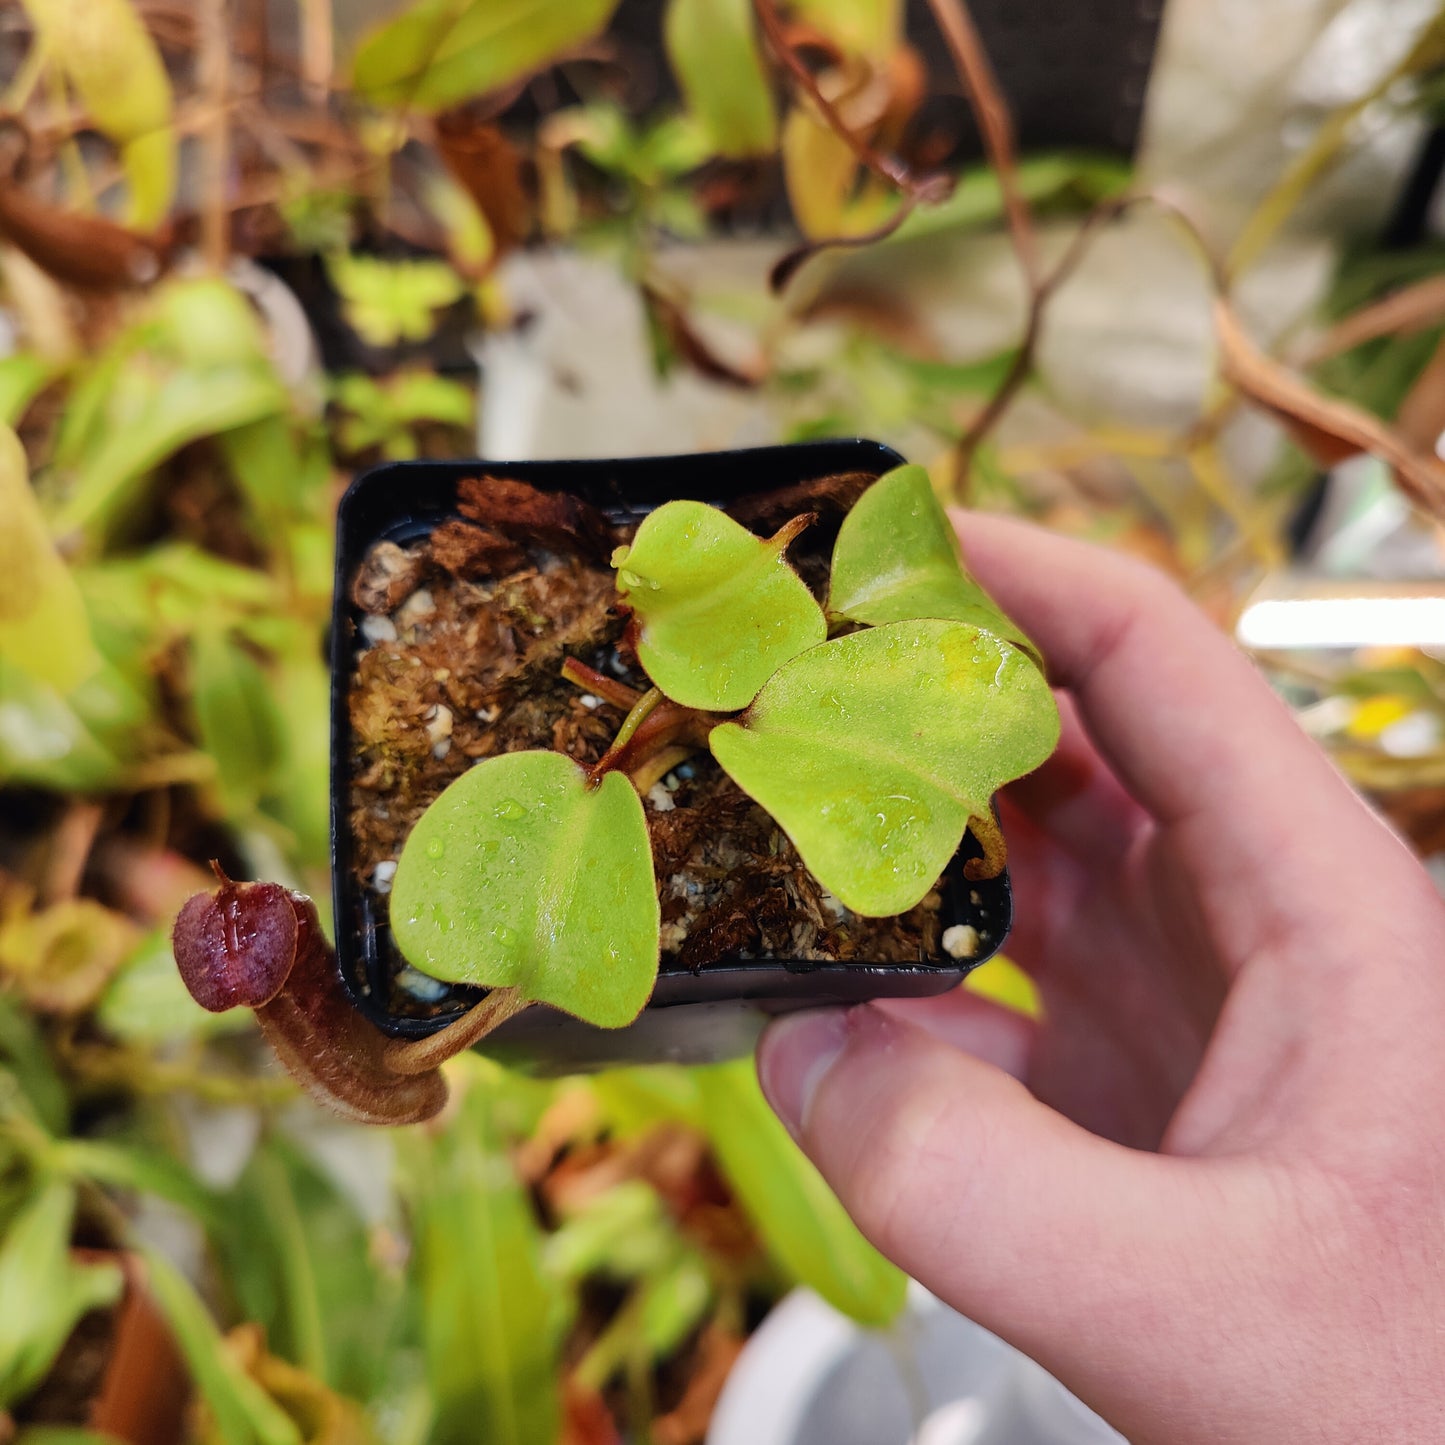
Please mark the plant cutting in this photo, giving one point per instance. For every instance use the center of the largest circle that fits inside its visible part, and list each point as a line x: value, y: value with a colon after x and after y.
x: 874, y: 729
x: 848, y: 717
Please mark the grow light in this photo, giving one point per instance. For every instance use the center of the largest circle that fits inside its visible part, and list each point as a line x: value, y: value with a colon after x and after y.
x: 1345, y: 616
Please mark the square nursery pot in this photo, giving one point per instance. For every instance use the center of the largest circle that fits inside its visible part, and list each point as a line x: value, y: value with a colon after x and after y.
x: 695, y: 1015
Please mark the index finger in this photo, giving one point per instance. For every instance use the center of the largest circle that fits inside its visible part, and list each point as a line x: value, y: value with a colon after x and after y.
x: 1270, y: 834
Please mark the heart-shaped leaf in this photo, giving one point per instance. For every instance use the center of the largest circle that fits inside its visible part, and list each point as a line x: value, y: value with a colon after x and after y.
x: 897, y: 557
x: 522, y: 875
x: 719, y: 609
x: 875, y: 750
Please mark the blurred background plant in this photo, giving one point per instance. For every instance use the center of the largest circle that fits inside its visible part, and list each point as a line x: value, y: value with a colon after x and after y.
x: 247, y: 248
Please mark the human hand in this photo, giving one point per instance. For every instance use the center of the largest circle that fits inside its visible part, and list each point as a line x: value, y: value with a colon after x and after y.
x: 1207, y: 1191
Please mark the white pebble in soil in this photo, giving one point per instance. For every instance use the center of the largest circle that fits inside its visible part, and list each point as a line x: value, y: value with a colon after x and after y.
x: 589, y: 701
x: 438, y: 723
x: 960, y: 941
x: 377, y: 628
x: 660, y: 798
x: 421, y: 986
x: 382, y: 875
x: 417, y: 608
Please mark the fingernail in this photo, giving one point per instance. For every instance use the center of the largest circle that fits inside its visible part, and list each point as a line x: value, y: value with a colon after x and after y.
x: 795, y: 1053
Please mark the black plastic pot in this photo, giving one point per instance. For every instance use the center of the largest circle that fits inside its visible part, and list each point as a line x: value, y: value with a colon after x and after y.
x: 693, y: 1017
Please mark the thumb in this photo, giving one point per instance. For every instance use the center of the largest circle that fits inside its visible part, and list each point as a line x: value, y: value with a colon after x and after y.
x: 1094, y: 1259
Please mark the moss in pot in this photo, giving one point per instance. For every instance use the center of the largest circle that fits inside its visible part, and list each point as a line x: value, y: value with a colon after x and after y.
x: 749, y: 748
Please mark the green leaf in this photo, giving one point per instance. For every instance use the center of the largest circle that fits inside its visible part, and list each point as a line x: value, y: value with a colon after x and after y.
x: 25, y: 1058
x: 714, y: 51
x: 283, y: 472
x: 392, y: 301
x: 720, y: 609
x: 875, y: 750
x: 148, y: 1003
x: 1047, y: 182
x: 132, y: 1167
x: 897, y: 557
x: 623, y: 1233
x: 383, y: 415
x: 439, y: 53
x: 235, y: 718
x: 75, y: 743
x: 244, y: 1413
x: 299, y: 792
x: 521, y: 875
x: 44, y: 1290
x: 62, y: 1435
x: 799, y: 1218
x: 298, y: 1255
x: 490, y: 1316
x: 154, y: 415
x: 673, y: 1303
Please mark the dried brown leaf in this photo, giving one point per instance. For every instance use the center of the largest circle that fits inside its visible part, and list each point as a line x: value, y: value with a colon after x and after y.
x: 1420, y: 421
x: 470, y: 552
x: 520, y: 512
x: 586, y: 1420
x: 1401, y: 313
x: 686, y: 1424
x: 830, y: 496
x: 89, y: 252
x: 489, y: 168
x: 671, y: 318
x: 1328, y: 428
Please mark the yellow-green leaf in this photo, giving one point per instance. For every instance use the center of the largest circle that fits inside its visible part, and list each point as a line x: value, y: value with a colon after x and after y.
x: 439, y: 53
x: 871, y: 28
x: 235, y: 719
x: 43, y: 625
x: 110, y: 61
x: 720, y: 609
x: 897, y: 557
x: 713, y: 48
x: 392, y: 301
x: 819, y: 171
x: 798, y: 1217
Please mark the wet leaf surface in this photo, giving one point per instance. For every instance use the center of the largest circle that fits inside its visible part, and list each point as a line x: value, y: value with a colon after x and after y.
x: 719, y: 610
x: 875, y: 750
x: 521, y: 875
